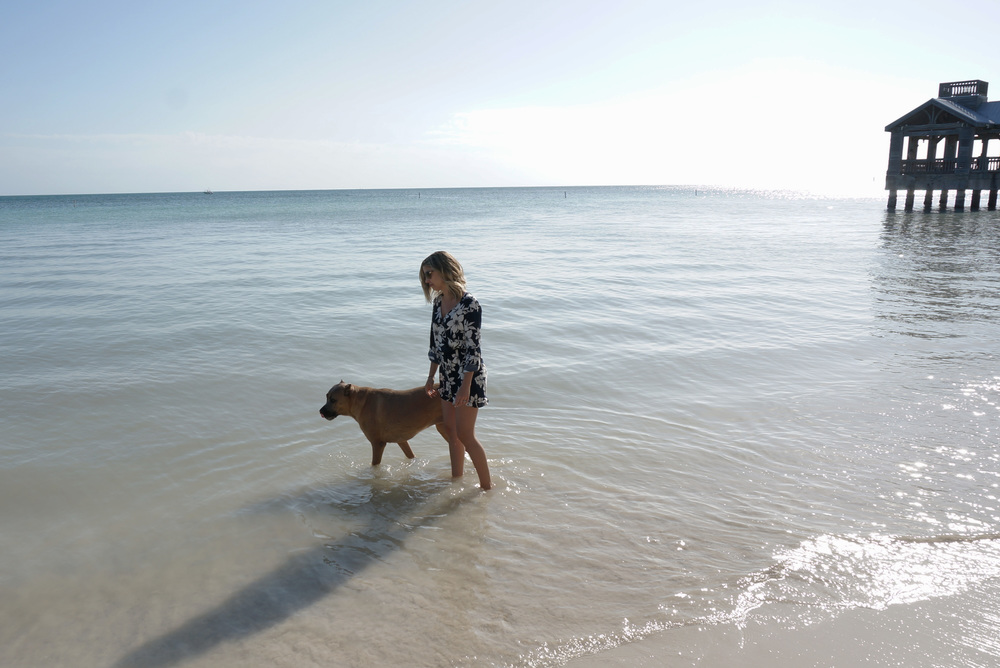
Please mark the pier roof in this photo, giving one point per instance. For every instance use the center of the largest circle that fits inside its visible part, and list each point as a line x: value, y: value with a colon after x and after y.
x: 938, y: 111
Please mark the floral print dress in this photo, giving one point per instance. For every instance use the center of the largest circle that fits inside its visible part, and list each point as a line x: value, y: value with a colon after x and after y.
x: 455, y: 348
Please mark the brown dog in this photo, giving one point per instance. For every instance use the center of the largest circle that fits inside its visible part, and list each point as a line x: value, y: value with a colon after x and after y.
x: 385, y: 416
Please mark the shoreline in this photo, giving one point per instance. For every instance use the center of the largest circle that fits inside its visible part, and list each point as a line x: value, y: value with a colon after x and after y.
x: 956, y: 630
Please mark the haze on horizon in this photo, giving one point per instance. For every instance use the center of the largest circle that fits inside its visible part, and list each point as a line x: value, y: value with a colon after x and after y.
x: 183, y: 96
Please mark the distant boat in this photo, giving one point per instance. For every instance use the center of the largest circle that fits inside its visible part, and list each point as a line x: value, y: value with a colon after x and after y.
x: 209, y: 192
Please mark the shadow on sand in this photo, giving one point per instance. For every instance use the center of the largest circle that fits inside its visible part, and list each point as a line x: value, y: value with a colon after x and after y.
x: 308, y: 576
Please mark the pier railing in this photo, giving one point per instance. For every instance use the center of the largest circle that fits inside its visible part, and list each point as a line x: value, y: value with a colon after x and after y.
x: 949, y: 166
x: 986, y: 164
x: 960, y: 88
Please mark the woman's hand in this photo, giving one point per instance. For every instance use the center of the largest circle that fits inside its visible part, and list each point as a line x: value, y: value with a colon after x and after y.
x: 462, y: 396
x: 429, y: 385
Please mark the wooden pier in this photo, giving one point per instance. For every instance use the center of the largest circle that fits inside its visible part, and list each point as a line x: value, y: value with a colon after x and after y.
x: 943, y: 146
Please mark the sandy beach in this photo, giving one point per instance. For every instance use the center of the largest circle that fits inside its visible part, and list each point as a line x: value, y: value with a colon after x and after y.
x: 900, y: 635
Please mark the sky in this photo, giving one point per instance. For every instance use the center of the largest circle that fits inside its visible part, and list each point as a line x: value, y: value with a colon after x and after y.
x: 182, y: 96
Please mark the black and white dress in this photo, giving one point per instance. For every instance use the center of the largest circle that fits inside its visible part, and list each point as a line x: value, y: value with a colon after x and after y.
x: 455, y: 348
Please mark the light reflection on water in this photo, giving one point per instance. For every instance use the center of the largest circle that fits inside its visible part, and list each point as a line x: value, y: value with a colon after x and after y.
x: 937, y: 275
x: 875, y: 571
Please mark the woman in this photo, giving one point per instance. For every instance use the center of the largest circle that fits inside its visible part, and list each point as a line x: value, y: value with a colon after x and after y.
x: 456, y: 319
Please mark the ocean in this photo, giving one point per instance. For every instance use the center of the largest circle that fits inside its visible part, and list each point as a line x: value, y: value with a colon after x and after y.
x: 756, y: 422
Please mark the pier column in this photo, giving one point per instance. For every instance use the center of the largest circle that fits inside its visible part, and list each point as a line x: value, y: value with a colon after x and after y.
x: 950, y: 150
x: 984, y: 161
x: 963, y: 162
x: 895, y: 152
x: 932, y: 147
x: 984, y: 165
x: 966, y: 141
x: 928, y: 199
x: 895, y: 168
x: 912, y: 146
x: 943, y: 200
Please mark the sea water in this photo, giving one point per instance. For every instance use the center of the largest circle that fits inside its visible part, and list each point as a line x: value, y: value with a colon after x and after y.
x: 708, y: 409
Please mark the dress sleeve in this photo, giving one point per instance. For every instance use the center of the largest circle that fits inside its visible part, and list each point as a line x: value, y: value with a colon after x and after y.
x: 432, y: 352
x: 473, y: 358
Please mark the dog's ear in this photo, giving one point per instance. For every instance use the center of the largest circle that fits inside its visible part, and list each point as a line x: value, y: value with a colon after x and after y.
x: 348, y: 389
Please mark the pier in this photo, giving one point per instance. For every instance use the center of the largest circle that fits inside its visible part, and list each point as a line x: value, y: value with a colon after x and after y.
x: 944, y: 146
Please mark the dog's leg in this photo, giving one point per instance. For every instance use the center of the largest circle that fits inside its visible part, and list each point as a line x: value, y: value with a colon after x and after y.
x: 377, y: 449
x: 406, y: 449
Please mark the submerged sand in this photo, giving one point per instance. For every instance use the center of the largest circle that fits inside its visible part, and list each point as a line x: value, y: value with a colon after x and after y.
x: 958, y: 630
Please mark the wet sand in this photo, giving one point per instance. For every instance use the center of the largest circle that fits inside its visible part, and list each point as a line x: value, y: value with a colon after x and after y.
x: 955, y: 630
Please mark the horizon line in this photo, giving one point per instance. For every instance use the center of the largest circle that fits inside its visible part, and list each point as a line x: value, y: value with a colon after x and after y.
x: 208, y: 191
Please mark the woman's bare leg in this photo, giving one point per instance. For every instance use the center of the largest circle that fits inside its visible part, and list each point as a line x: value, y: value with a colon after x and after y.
x: 465, y: 423
x: 455, y: 446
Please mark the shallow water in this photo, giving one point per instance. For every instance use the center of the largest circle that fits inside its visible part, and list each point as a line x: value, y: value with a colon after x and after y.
x: 700, y: 405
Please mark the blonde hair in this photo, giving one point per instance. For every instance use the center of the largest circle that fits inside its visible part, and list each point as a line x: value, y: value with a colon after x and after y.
x: 450, y: 270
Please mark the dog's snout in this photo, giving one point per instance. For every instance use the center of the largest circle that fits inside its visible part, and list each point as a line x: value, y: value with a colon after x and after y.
x: 328, y: 412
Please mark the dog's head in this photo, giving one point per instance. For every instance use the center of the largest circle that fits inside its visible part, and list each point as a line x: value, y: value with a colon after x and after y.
x: 337, y: 401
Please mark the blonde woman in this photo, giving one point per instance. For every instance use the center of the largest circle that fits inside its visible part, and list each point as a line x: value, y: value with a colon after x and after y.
x: 455, y: 355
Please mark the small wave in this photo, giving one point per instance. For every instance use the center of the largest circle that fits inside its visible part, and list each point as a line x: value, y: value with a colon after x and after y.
x: 843, y: 572
x: 558, y: 654
x: 831, y: 573
x: 948, y: 538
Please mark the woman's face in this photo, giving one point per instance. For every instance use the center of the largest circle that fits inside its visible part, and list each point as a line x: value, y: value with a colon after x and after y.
x: 433, y: 278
